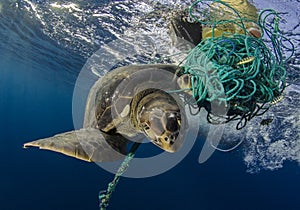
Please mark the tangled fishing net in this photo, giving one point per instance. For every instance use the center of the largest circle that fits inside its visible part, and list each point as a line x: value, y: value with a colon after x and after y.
x: 239, y: 64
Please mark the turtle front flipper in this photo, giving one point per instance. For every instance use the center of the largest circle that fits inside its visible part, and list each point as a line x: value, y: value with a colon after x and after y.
x: 87, y: 144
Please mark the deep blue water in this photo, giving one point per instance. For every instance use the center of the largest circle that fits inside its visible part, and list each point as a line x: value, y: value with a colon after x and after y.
x: 38, y: 71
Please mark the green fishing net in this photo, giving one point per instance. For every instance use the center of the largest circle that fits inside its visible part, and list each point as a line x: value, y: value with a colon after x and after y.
x: 234, y: 67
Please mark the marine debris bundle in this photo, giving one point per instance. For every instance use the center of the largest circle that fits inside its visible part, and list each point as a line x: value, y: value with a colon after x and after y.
x: 239, y: 64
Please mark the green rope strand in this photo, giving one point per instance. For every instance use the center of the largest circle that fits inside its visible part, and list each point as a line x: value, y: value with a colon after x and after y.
x: 104, y: 196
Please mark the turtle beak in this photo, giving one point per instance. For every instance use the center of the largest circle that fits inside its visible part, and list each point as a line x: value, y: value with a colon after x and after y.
x: 168, y: 147
x: 165, y: 145
x: 170, y: 142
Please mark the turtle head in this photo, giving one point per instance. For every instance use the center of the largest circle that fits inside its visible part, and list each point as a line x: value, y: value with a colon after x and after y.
x: 160, y: 119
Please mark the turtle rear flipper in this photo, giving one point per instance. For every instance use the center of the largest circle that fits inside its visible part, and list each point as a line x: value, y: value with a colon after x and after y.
x: 87, y: 144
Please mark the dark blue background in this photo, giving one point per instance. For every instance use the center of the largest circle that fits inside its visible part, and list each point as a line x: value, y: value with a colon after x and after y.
x: 36, y: 102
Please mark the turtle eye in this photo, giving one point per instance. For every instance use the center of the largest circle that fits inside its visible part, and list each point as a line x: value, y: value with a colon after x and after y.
x: 184, y: 81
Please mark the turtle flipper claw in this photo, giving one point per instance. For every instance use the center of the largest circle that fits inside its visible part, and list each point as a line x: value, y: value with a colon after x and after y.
x: 87, y: 144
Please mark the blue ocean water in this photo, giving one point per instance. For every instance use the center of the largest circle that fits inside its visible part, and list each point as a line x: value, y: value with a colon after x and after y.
x: 44, y: 45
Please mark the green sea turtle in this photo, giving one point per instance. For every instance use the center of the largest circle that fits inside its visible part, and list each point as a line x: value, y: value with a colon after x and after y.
x: 126, y: 103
